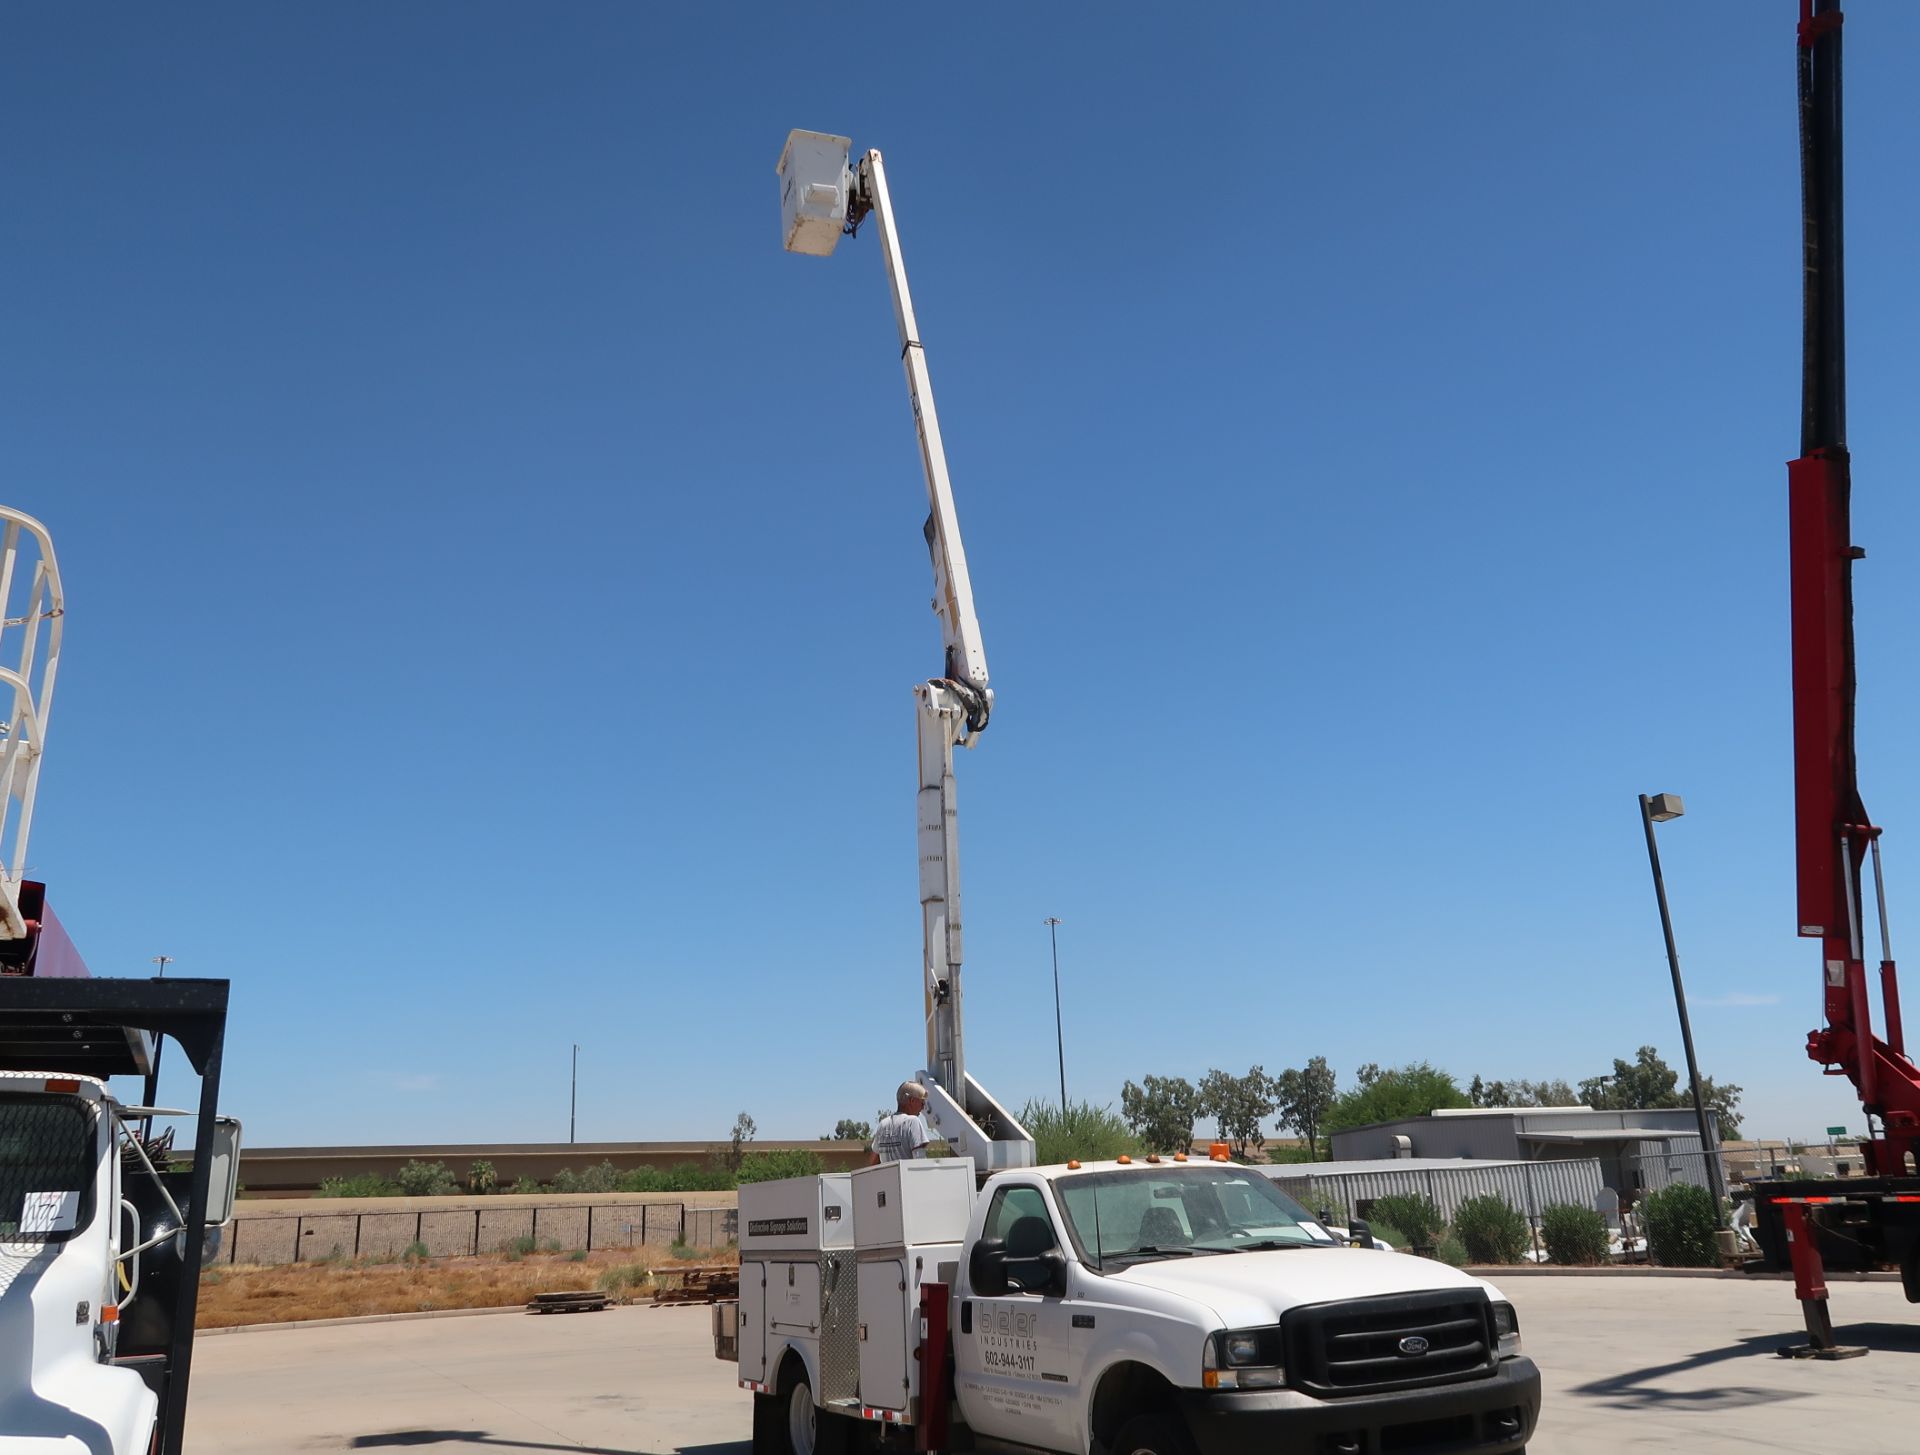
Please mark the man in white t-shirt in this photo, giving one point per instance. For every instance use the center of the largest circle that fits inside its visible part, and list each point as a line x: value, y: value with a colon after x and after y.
x: 903, y: 1135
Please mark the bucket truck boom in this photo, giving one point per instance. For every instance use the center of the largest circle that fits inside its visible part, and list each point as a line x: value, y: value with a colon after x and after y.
x: 823, y: 197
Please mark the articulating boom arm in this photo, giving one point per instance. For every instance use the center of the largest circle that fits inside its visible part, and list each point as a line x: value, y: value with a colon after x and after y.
x: 1834, y: 837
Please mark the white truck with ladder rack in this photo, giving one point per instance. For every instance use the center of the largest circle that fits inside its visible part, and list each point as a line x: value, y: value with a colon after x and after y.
x: 1144, y: 1306
x: 102, y: 1225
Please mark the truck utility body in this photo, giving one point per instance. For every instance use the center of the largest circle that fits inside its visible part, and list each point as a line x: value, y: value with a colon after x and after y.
x: 1165, y: 1306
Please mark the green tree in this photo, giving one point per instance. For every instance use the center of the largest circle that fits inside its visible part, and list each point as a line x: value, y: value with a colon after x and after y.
x: 1303, y: 1098
x: 1162, y: 1112
x: 1416, y: 1090
x: 1238, y: 1104
x: 743, y: 1130
x: 1522, y: 1093
x: 1648, y: 1082
x: 849, y: 1130
x: 481, y: 1177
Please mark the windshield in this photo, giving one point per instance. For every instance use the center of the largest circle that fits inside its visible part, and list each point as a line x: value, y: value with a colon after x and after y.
x: 46, y: 1167
x: 1181, y: 1211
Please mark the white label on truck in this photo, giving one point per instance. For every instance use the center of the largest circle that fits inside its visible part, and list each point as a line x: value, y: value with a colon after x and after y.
x: 50, y: 1212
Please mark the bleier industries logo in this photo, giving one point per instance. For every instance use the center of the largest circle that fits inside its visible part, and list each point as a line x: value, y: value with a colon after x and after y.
x: 776, y: 1227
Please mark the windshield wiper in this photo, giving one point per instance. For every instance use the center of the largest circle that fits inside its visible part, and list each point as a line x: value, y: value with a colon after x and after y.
x: 1153, y: 1251
x: 1266, y: 1245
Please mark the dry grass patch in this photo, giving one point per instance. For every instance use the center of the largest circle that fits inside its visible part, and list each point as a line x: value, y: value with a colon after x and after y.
x: 332, y: 1289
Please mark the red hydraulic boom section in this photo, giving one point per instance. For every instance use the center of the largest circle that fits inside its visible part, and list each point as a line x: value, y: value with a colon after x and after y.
x: 1835, y: 838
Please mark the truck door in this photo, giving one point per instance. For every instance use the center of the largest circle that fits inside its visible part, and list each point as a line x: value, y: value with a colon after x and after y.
x: 753, y: 1321
x: 1015, y: 1365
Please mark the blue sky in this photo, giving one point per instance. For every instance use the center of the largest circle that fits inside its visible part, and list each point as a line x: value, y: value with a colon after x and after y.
x: 496, y: 584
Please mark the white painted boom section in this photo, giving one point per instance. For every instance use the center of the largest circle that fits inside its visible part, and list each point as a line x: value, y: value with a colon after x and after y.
x: 953, y: 587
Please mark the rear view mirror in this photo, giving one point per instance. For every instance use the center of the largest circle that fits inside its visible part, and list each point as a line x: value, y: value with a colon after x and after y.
x: 1359, y: 1234
x: 1044, y: 1273
x: 223, y: 1171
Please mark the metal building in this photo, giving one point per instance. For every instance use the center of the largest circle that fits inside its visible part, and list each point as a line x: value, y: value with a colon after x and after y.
x: 1638, y: 1151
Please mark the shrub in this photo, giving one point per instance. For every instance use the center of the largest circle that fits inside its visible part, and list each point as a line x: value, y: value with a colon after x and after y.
x: 599, y: 1178
x: 578, y: 1255
x: 365, y: 1184
x: 426, y: 1179
x: 1451, y: 1251
x: 623, y: 1279
x: 521, y: 1246
x: 1416, y: 1216
x: 415, y: 1252
x: 1574, y: 1235
x: 682, y: 1251
x: 1679, y: 1222
x: 686, y: 1177
x: 525, y: 1184
x: 1491, y: 1230
x: 1082, y: 1130
x: 772, y: 1166
x: 1388, y: 1233
x: 481, y: 1177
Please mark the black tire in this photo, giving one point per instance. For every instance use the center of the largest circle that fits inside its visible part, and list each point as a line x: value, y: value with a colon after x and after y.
x: 1152, y: 1434
x: 781, y: 1428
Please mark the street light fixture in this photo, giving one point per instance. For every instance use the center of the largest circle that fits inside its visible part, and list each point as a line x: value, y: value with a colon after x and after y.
x: 1659, y: 808
x: 1059, y: 1038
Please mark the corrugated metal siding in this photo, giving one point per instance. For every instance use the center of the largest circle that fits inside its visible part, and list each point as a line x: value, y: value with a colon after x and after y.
x: 1527, y: 1186
x: 1662, y: 1164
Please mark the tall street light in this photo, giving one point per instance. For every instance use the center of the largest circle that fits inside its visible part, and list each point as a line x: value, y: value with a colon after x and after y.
x: 573, y: 1094
x: 162, y: 961
x: 1059, y: 1038
x: 1658, y: 809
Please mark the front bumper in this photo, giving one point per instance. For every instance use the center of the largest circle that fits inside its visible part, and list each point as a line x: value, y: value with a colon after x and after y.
x: 1492, y: 1416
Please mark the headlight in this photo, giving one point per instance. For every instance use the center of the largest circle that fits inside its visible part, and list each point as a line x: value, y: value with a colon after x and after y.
x: 1506, y: 1327
x: 1243, y: 1359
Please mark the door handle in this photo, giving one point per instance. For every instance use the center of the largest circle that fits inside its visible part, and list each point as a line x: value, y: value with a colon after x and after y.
x: 966, y: 1316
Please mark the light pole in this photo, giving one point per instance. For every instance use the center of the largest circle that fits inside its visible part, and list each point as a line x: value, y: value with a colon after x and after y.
x: 1658, y: 809
x: 573, y: 1094
x: 162, y: 961
x: 1059, y: 1037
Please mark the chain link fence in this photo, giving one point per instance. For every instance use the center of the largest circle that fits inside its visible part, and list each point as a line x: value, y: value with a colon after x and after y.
x: 463, y: 1232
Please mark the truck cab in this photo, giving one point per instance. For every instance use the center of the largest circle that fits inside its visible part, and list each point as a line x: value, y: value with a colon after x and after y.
x: 92, y: 1238
x: 1171, y: 1306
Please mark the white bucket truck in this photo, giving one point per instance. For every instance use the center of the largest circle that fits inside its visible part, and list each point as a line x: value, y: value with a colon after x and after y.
x: 1134, y: 1307
x: 1147, y: 1307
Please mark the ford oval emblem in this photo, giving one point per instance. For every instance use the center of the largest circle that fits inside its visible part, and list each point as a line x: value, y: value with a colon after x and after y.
x: 1413, y: 1345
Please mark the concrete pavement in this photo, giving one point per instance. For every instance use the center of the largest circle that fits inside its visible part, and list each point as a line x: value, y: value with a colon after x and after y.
x: 1684, y: 1364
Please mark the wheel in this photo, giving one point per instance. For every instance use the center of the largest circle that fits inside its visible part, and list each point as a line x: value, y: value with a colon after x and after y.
x: 800, y: 1418
x: 789, y: 1423
x: 1152, y: 1434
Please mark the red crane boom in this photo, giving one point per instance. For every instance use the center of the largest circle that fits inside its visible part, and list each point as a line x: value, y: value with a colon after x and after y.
x: 1835, y: 837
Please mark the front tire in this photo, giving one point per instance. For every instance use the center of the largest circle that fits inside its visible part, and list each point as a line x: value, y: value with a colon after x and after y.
x: 1152, y: 1434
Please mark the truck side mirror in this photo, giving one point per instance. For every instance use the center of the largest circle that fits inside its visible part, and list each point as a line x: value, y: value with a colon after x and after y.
x: 1359, y: 1234
x: 1044, y: 1273
x: 987, y: 1267
x: 223, y: 1171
